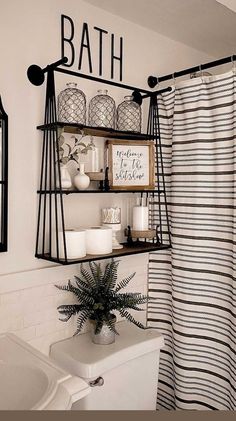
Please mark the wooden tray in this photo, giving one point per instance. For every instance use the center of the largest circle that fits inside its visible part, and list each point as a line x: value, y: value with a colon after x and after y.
x: 150, y: 234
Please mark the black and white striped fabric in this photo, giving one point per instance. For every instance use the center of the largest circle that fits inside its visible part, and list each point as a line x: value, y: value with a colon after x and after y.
x: 192, y: 287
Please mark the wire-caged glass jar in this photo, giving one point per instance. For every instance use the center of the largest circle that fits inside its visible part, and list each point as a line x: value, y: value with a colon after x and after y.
x: 129, y: 115
x: 72, y: 105
x: 102, y: 111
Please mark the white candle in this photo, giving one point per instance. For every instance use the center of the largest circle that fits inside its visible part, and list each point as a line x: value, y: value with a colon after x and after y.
x: 95, y: 160
x: 140, y: 218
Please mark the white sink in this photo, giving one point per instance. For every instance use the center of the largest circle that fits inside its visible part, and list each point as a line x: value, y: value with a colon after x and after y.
x: 30, y: 380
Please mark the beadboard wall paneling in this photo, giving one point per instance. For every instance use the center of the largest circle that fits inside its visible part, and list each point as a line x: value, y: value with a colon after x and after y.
x: 31, y: 310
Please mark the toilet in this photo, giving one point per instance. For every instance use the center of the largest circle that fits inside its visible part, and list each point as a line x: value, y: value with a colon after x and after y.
x: 122, y: 376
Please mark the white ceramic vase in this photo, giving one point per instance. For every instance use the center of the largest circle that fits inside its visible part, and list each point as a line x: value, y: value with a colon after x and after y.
x: 66, y: 182
x: 81, y: 180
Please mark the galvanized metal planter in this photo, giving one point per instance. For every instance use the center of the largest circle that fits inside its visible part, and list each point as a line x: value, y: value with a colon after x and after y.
x: 105, y: 337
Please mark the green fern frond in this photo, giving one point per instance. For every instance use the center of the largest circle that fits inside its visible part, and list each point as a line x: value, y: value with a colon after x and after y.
x: 83, y: 317
x: 69, y: 287
x: 81, y: 295
x: 75, y: 308
x: 88, y: 277
x: 84, y: 297
x: 130, y: 318
x: 133, y: 297
x: 111, y: 275
x: 107, y: 271
x: 141, y: 300
x: 80, y: 283
x: 124, y: 282
x: 111, y: 325
x: 62, y: 287
x: 68, y: 311
x: 66, y: 318
x: 95, y: 269
x: 72, y: 288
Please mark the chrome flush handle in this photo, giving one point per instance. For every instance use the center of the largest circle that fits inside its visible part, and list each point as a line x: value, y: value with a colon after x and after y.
x: 97, y: 382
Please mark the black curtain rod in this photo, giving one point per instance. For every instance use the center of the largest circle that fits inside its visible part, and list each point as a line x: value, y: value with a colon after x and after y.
x: 36, y: 75
x: 97, y: 79
x: 153, y: 80
x: 135, y: 90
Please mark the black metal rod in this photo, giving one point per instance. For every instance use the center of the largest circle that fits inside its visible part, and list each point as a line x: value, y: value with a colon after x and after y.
x: 45, y: 184
x: 4, y: 185
x: 54, y: 65
x: 152, y: 213
x: 156, y: 132
x: 41, y: 182
x: 50, y: 182
x: 44, y: 170
x: 36, y: 76
x: 105, y: 81
x: 54, y: 136
x: 159, y: 92
x: 149, y: 123
x: 162, y: 172
x: 193, y: 69
x: 58, y: 167
x: 151, y: 132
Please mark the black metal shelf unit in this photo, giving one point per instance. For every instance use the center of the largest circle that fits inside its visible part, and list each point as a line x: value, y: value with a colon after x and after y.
x: 51, y: 226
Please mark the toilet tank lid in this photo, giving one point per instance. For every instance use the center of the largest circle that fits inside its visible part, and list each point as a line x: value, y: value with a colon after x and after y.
x: 81, y: 357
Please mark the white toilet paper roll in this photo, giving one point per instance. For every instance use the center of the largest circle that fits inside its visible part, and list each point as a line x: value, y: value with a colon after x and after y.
x: 99, y: 240
x: 140, y: 218
x: 75, y: 244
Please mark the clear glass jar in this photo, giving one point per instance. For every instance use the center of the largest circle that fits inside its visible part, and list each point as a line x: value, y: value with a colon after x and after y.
x: 72, y: 105
x: 102, y: 111
x: 129, y: 115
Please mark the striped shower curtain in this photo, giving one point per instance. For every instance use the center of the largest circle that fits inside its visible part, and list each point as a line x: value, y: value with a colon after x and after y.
x: 192, y: 286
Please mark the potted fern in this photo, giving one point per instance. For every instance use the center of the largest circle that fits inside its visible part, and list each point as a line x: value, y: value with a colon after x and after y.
x: 98, y: 297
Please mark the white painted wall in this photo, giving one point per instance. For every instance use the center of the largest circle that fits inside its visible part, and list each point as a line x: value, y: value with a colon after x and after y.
x: 30, y: 33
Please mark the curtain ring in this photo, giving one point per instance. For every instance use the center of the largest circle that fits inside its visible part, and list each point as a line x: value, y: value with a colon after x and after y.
x: 201, y: 72
x: 233, y: 63
x: 173, y: 77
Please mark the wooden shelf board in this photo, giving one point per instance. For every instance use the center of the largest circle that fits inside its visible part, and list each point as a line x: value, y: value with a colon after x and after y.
x: 136, y: 248
x: 96, y: 191
x: 95, y: 131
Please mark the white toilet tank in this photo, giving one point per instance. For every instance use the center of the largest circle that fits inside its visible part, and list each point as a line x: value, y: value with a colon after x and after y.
x: 123, y: 375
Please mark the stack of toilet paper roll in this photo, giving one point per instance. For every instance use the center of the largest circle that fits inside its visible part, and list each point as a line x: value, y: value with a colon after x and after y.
x: 99, y: 240
x: 79, y: 242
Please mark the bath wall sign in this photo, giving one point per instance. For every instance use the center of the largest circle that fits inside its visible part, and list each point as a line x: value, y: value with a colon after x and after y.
x: 131, y: 164
x: 82, y: 53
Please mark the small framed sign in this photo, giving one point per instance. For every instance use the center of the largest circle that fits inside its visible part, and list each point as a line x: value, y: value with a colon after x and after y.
x: 131, y: 164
